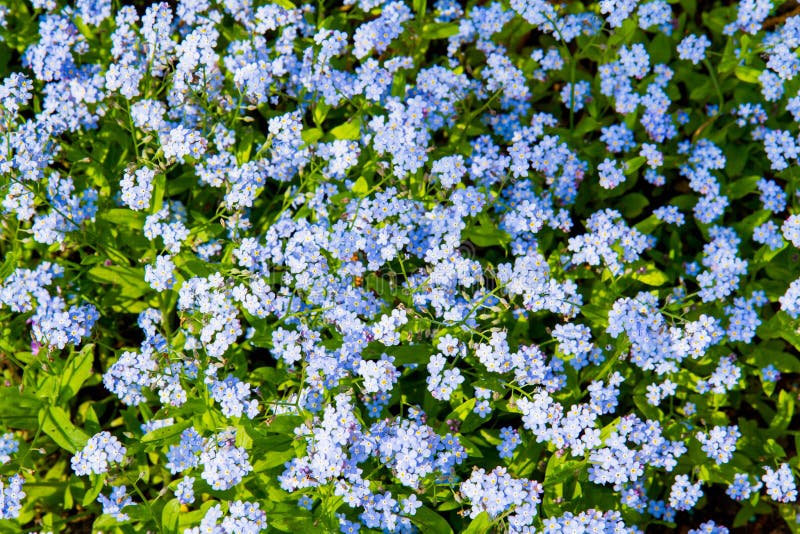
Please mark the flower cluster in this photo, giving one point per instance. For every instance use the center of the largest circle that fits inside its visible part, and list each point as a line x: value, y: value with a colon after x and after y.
x: 497, y: 492
x: 241, y: 518
x: 114, y: 503
x: 780, y: 483
x: 720, y: 443
x: 11, y: 496
x: 101, y: 450
x: 385, y: 265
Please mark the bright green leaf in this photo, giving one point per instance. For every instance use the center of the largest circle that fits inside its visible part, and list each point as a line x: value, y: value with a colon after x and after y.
x: 55, y: 422
x: 76, y: 371
x: 430, y: 522
x: 349, y: 130
x: 747, y: 74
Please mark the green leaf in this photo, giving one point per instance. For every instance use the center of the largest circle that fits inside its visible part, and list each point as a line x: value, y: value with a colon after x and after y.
x: 490, y: 382
x: 742, y: 187
x: 170, y: 515
x: 285, y: 3
x: 361, y: 187
x: 729, y: 60
x: 649, y: 224
x: 661, y: 48
x: 690, y: 6
x: 763, y: 354
x: 130, y: 280
x: 243, y: 150
x: 272, y: 451
x: 76, y: 371
x: 780, y: 326
x: 165, y: 433
x: 159, y: 187
x: 187, y: 180
x: 651, y: 276
x: 486, y: 234
x: 702, y: 92
x: 55, y: 422
x: 109, y: 523
x: 321, y: 110
x: 285, y: 423
x: 747, y: 74
x: 586, y: 125
x: 124, y: 217
x: 560, y: 470
x: 743, y: 516
x: 349, y: 130
x: 632, y: 204
x: 465, y: 414
x: 772, y: 448
x: 597, y: 315
x: 19, y: 410
x: 429, y: 521
x: 10, y: 263
x: 192, y: 265
x: 441, y: 30
x: 633, y: 164
x: 470, y: 447
x: 624, y: 34
x: 738, y: 158
x: 480, y: 525
x: 386, y: 288
x: 311, y: 135
x: 405, y: 354
x: 287, y: 517
x: 98, y: 483
x: 784, y: 412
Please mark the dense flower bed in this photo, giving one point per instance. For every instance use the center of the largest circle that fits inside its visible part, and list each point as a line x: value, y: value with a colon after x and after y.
x: 396, y: 266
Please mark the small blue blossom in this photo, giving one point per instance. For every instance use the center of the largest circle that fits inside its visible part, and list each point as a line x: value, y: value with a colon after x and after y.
x: 497, y: 492
x: 683, y: 495
x: 670, y: 214
x: 184, y: 491
x: 511, y: 439
x: 161, y: 275
x: 693, y: 48
x: 770, y: 373
x: 791, y: 230
x: 113, y: 504
x: 780, y: 483
x: 137, y: 186
x: 11, y: 496
x: 9, y: 444
x: 719, y: 443
x: 575, y: 98
x: 740, y: 489
x: 772, y: 195
x: 790, y: 301
x: 768, y: 234
x: 101, y: 450
x: 610, y: 175
x: 305, y: 502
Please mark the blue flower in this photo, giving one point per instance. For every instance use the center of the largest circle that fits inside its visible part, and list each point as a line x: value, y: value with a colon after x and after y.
x: 113, y: 504
x: 693, y: 48
x: 100, y: 451
x: 780, y: 483
x: 11, y: 496
x: 683, y: 495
